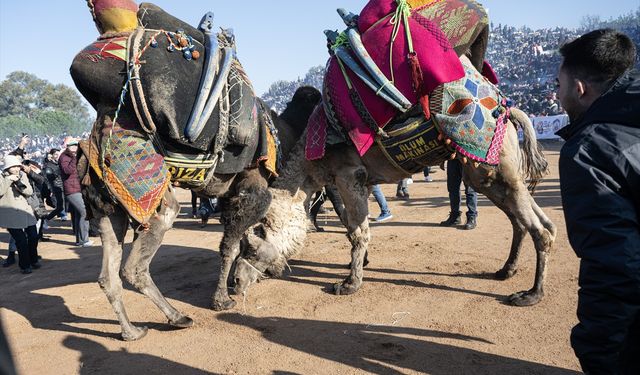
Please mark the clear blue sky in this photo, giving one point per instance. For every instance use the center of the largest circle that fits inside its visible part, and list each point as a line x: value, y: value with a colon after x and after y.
x: 277, y: 39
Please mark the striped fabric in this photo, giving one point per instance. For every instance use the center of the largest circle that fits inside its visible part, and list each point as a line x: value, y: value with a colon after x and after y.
x: 114, y: 16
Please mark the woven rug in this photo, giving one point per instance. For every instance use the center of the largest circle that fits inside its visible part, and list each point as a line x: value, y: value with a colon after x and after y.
x: 135, y: 174
x: 469, y: 112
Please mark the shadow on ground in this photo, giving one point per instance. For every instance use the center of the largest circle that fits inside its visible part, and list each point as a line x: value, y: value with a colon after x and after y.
x: 387, y: 349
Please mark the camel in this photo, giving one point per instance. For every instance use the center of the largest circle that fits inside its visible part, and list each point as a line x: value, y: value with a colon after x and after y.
x: 244, y: 196
x: 353, y: 173
x: 265, y: 250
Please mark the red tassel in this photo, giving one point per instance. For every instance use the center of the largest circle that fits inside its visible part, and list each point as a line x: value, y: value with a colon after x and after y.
x: 416, y: 73
x: 418, y: 84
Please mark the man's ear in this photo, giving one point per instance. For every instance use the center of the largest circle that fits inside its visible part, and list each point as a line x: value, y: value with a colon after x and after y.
x: 581, y: 88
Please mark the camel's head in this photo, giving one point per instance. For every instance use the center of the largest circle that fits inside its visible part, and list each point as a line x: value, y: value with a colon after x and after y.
x: 257, y: 257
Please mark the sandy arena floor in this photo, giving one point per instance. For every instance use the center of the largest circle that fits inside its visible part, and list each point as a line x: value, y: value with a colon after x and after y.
x: 428, y: 305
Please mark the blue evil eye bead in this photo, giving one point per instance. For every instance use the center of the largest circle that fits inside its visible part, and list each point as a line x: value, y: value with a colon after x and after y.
x: 495, y: 113
x: 154, y: 43
x: 509, y: 103
x: 171, y: 48
x: 187, y: 54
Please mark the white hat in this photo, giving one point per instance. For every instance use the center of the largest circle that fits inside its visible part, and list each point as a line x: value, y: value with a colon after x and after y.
x: 11, y: 161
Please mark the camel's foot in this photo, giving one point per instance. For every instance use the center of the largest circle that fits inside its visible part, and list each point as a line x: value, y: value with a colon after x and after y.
x: 134, y: 334
x: 183, y: 322
x: 345, y: 288
x: 220, y: 304
x: 505, y: 274
x: 525, y: 298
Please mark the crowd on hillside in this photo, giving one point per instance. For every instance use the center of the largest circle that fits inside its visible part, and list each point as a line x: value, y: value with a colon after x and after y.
x: 525, y: 60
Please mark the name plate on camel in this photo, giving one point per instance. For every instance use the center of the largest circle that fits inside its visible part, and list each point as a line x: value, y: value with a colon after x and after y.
x: 413, y: 145
x: 189, y: 169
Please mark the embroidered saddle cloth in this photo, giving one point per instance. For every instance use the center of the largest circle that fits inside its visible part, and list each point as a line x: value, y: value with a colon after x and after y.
x: 133, y: 172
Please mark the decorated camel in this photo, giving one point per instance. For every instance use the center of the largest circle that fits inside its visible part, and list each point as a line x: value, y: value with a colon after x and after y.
x: 364, y: 133
x: 174, y: 108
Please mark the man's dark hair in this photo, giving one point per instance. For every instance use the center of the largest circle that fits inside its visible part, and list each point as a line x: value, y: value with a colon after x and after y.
x: 53, y: 151
x: 599, y: 56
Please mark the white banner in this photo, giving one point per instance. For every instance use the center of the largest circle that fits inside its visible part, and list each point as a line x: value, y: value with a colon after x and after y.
x: 546, y: 127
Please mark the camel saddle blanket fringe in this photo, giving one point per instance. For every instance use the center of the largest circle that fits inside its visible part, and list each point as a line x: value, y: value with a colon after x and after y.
x: 135, y: 175
x: 440, y: 31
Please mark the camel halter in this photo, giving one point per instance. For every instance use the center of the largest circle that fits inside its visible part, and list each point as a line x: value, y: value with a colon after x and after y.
x: 252, y: 266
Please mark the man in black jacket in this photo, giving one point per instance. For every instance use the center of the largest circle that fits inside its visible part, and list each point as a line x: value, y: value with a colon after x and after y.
x: 51, y: 171
x: 600, y: 186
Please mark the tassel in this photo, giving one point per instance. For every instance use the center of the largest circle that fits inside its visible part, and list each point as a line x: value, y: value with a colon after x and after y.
x: 416, y: 73
x: 418, y: 83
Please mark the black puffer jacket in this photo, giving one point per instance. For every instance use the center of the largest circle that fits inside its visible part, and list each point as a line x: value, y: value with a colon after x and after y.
x: 51, y: 170
x: 600, y: 186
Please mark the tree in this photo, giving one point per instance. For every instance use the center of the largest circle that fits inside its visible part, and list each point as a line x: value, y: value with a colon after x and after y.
x: 24, y: 94
x: 32, y: 105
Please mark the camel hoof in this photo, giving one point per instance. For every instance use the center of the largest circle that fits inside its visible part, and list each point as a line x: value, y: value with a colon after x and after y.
x: 525, y: 298
x: 224, y: 305
x: 343, y: 289
x: 505, y: 274
x: 135, y: 334
x: 184, y: 322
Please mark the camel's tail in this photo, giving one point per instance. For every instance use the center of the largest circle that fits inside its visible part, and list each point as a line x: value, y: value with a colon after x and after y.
x: 533, y: 162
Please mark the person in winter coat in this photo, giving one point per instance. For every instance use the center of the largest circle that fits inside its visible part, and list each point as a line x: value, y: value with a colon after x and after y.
x: 71, y: 185
x: 17, y: 215
x: 600, y: 188
x: 51, y: 170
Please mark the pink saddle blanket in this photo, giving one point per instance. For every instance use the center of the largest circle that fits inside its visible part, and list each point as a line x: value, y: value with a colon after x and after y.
x: 438, y: 61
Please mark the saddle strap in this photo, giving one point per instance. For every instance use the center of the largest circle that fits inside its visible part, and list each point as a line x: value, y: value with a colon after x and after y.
x: 140, y: 106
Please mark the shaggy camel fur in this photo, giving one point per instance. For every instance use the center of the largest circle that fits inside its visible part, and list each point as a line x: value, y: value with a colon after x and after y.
x: 504, y: 185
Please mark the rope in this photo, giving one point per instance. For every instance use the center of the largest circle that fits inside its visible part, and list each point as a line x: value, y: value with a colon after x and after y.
x: 341, y: 40
x: 401, y: 15
x: 344, y: 73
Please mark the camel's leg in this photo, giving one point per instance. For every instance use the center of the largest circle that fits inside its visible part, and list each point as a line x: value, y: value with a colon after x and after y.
x: 112, y: 231
x: 145, y: 246
x: 351, y: 184
x: 239, y: 213
x: 518, y: 202
x: 511, y: 266
x: 548, y: 224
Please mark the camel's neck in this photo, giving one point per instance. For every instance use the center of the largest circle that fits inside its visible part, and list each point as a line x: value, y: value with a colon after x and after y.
x: 292, y: 176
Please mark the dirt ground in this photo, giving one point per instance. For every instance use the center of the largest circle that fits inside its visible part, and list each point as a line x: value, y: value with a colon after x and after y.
x: 428, y: 305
